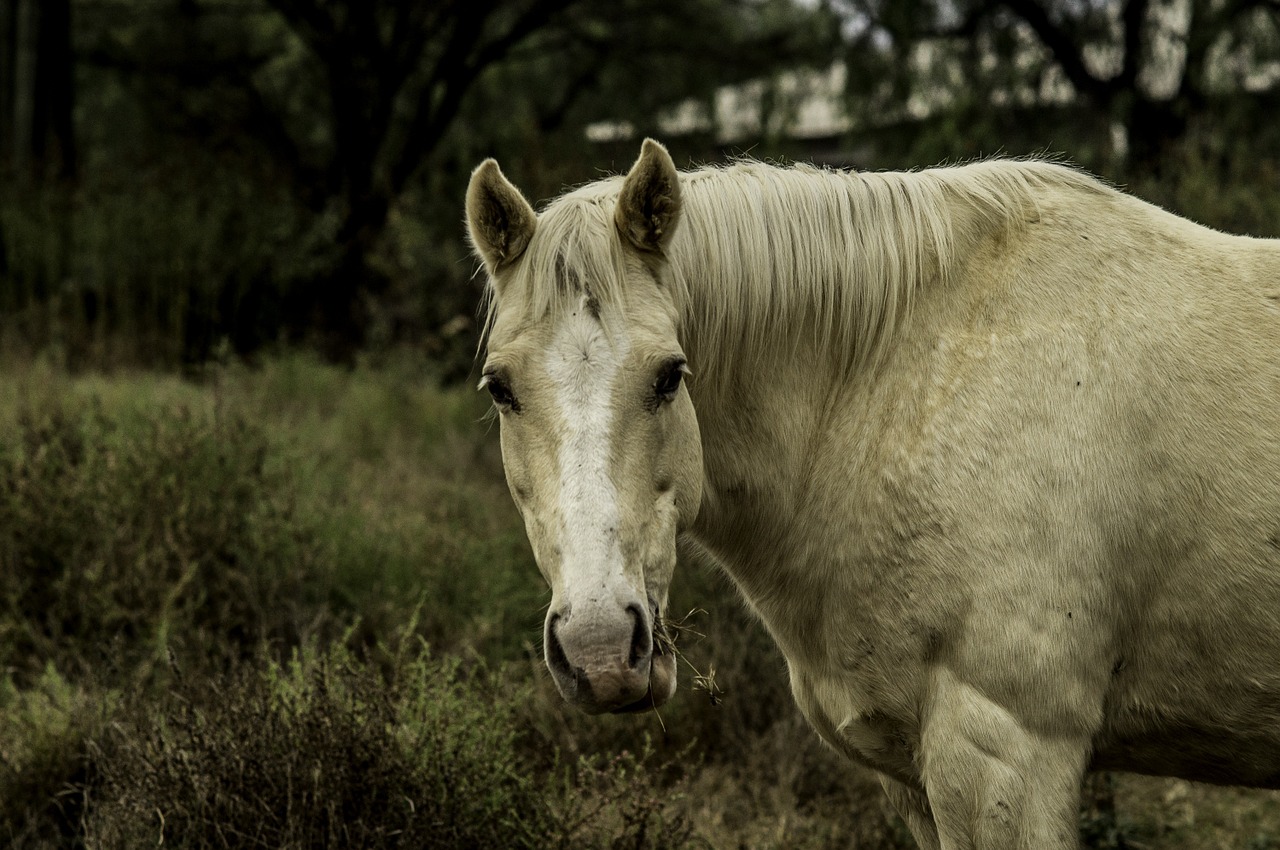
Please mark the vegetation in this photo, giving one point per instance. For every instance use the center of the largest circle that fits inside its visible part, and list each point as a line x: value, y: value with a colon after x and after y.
x: 184, y: 178
x: 250, y: 598
x: 238, y: 174
x: 292, y: 606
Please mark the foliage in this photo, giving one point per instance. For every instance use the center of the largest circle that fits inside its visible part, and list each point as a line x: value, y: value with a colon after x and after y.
x: 259, y: 170
x: 113, y: 534
x: 1142, y: 75
x: 254, y: 173
x: 322, y: 752
x: 45, y: 769
x: 1230, y: 192
x: 144, y: 673
x: 157, y: 270
x: 354, y: 516
x: 179, y: 520
x: 326, y: 750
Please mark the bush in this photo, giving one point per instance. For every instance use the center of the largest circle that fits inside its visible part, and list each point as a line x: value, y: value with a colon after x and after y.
x: 174, y: 542
x: 45, y: 769
x: 121, y: 542
x: 1236, y: 194
x: 161, y: 267
x: 328, y: 751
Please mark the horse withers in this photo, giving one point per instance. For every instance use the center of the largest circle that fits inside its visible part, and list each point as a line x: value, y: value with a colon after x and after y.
x: 993, y: 451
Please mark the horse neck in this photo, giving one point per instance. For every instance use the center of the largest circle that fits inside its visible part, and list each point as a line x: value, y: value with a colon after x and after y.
x: 771, y: 264
x: 767, y: 380
x: 790, y: 283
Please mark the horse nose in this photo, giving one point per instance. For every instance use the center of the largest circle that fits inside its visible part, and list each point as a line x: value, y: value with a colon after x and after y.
x: 641, y: 638
x: 600, y: 661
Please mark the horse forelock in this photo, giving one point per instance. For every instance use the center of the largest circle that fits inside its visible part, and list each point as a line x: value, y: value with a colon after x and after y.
x: 761, y: 252
x: 574, y: 254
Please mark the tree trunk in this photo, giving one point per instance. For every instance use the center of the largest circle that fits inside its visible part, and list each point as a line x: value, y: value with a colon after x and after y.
x: 37, y: 70
x: 53, y: 139
x: 24, y: 86
x: 1154, y: 127
x: 8, y: 45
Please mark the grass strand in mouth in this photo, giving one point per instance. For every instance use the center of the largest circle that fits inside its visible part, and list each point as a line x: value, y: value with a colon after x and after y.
x: 666, y: 636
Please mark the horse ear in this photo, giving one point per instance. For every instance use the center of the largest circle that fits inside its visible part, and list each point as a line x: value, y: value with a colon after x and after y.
x: 499, y: 220
x: 649, y: 204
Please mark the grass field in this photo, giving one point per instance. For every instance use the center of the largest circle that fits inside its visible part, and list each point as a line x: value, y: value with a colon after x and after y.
x: 291, y: 606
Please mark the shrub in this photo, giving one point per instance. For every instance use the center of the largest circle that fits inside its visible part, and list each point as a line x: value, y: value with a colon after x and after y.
x: 120, y: 542
x: 148, y: 528
x: 45, y: 770
x: 328, y: 751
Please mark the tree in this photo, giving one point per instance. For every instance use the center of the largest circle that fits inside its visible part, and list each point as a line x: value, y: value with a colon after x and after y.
x: 382, y: 83
x: 36, y: 88
x: 398, y: 74
x: 1146, y: 66
x: 355, y: 122
x: 395, y: 75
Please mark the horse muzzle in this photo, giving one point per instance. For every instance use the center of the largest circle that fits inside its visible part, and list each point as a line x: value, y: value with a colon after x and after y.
x: 609, y: 660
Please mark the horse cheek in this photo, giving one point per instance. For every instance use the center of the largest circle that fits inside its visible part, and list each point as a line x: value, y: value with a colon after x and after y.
x: 687, y: 462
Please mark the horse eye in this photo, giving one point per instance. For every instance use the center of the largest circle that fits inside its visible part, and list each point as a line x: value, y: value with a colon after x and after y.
x: 501, y: 392
x: 668, y: 383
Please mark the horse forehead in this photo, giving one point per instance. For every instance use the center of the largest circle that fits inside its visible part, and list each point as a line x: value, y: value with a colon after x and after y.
x: 582, y: 333
x: 582, y: 350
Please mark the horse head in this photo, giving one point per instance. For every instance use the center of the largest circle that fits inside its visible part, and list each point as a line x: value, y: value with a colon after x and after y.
x: 600, y: 442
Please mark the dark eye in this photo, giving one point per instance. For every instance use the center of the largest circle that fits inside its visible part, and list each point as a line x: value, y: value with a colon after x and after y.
x: 669, y: 378
x: 501, y: 391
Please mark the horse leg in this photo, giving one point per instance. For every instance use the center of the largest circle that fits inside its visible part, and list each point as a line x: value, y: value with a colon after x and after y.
x: 913, y: 807
x: 992, y: 782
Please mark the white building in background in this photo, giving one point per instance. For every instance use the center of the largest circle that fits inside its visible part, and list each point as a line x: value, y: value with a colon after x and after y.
x: 797, y: 105
x: 812, y: 105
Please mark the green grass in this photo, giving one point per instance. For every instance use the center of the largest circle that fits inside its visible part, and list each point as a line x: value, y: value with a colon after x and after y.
x: 292, y: 606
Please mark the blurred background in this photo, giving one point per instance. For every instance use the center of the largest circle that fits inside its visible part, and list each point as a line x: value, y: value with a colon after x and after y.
x: 261, y: 583
x: 190, y: 178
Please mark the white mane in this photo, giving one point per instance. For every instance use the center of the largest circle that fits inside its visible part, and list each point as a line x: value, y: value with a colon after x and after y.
x: 758, y: 248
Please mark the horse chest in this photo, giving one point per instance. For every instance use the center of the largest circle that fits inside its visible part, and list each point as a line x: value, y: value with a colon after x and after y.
x: 859, y: 722
x: 855, y: 632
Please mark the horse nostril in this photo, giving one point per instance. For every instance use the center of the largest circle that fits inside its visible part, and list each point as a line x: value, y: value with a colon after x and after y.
x: 641, y: 638
x: 556, y: 659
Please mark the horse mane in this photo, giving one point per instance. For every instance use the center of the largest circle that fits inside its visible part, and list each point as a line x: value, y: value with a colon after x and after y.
x: 759, y: 248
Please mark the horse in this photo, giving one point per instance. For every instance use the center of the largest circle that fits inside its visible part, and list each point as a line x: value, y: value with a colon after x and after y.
x: 992, y: 450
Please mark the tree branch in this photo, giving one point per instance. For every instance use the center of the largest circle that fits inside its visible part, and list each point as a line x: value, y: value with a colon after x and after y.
x: 464, y: 58
x: 1065, y: 51
x: 313, y: 24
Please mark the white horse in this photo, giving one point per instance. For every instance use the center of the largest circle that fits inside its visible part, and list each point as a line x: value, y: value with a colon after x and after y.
x: 993, y: 451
